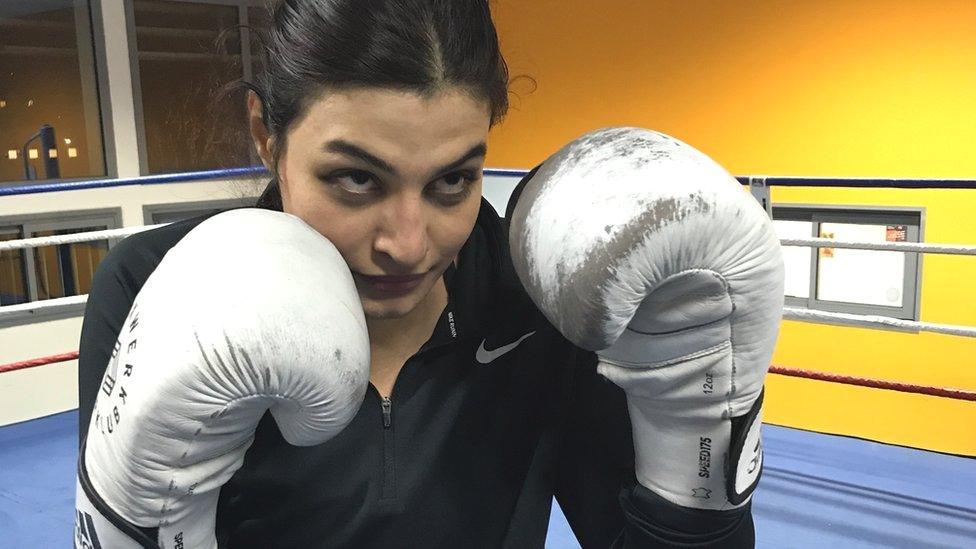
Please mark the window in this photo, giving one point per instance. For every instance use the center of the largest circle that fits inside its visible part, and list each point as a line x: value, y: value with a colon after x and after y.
x: 866, y: 282
x: 49, y: 272
x: 155, y: 214
x: 66, y: 269
x: 258, y: 22
x: 50, y: 123
x: 13, y: 267
x: 188, y: 51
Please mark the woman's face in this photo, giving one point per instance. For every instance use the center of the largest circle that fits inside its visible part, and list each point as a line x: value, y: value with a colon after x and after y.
x: 393, y: 179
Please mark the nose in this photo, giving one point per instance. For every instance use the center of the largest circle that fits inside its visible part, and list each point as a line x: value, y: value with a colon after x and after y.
x: 402, y: 234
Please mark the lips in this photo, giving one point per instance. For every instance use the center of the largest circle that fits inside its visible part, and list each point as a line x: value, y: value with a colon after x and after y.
x: 390, y: 285
x: 391, y: 279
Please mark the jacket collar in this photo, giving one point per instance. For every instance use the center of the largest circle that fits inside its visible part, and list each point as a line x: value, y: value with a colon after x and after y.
x: 475, y: 285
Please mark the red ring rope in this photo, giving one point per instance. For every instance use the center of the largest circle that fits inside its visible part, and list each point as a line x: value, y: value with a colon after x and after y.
x: 24, y: 364
x: 957, y: 394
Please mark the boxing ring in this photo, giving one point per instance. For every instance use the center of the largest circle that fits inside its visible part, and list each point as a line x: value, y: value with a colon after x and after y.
x: 817, y: 490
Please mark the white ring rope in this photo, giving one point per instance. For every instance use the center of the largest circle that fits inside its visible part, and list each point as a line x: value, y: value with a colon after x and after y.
x: 874, y: 321
x: 919, y: 247
x: 954, y: 249
x: 34, y: 307
x: 73, y: 238
x: 789, y: 313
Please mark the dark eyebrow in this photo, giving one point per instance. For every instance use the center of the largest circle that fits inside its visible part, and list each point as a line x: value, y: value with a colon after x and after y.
x: 479, y: 150
x: 348, y: 149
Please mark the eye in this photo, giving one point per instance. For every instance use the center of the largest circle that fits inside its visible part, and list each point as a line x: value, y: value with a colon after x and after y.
x: 355, y: 181
x: 454, y: 184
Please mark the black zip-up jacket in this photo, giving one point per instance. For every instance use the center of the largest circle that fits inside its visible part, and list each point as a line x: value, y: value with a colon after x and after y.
x: 491, y: 418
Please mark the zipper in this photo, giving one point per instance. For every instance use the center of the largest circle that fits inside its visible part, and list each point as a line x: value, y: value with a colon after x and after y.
x: 389, y: 489
x: 389, y: 451
x: 387, y: 406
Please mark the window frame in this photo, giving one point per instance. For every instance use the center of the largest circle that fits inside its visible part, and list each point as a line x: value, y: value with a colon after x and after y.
x: 914, y: 220
x: 196, y: 207
x: 18, y: 232
x: 91, y: 25
x: 127, y: 68
x: 71, y: 219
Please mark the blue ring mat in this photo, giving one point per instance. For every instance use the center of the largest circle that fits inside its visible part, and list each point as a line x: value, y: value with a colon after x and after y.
x: 817, y: 491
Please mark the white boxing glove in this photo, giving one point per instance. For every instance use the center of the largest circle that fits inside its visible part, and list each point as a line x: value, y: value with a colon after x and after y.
x: 639, y: 247
x: 251, y: 311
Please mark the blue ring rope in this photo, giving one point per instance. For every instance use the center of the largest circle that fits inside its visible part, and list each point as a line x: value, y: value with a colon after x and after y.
x: 126, y: 181
x: 259, y: 170
x: 862, y: 183
x: 170, y: 178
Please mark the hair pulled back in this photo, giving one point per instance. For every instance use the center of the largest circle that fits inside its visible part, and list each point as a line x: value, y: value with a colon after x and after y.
x: 422, y: 46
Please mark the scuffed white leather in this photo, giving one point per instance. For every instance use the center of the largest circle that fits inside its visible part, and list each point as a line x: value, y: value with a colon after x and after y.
x: 93, y: 530
x: 252, y: 310
x: 639, y: 247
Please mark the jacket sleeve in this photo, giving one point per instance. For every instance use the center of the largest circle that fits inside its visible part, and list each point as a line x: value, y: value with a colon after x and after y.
x: 596, y: 455
x: 112, y: 292
x: 597, y: 490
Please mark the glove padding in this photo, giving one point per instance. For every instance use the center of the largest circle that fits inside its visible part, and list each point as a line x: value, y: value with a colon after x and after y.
x: 251, y: 311
x: 639, y: 247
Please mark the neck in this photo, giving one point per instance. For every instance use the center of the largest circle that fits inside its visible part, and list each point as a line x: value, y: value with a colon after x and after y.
x: 409, y: 332
x: 393, y: 340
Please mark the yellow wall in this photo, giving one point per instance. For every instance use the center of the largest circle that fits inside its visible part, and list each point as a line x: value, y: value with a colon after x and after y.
x: 816, y: 88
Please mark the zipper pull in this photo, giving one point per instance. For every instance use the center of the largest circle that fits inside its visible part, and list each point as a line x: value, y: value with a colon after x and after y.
x: 387, y: 405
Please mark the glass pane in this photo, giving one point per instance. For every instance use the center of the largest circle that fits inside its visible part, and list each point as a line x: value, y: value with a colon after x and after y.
x: 187, y: 53
x: 259, y: 21
x: 48, y: 79
x: 67, y: 269
x: 795, y: 258
x: 861, y: 276
x: 13, y: 266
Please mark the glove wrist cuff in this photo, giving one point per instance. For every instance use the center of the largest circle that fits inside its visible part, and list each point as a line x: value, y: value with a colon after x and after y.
x: 695, y: 464
x: 98, y: 526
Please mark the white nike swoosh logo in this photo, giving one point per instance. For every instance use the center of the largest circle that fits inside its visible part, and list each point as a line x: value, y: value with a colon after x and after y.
x: 485, y: 356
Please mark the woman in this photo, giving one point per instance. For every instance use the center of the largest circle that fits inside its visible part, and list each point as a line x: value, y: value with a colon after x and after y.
x: 373, y: 118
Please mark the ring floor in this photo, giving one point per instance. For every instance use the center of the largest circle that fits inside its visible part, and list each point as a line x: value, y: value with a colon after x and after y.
x: 817, y: 491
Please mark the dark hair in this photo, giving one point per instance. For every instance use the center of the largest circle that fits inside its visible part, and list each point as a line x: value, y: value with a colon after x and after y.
x: 422, y: 46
